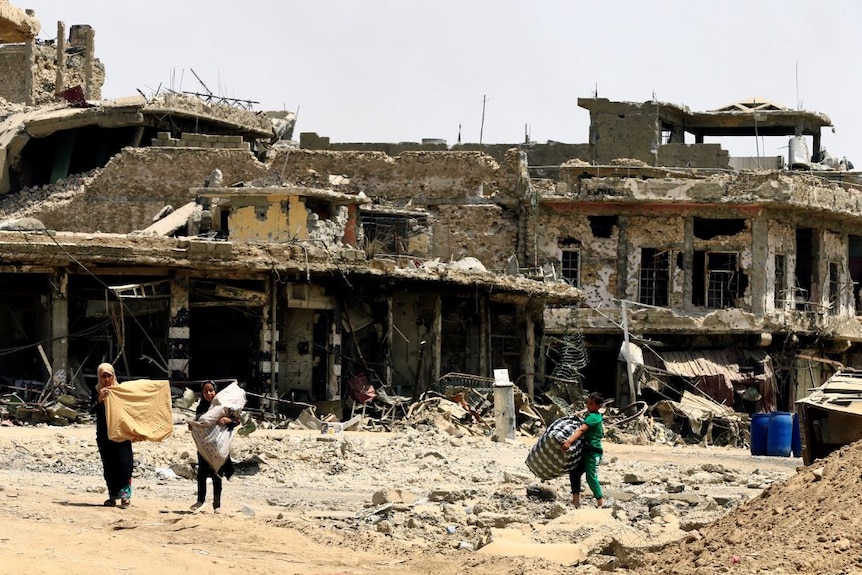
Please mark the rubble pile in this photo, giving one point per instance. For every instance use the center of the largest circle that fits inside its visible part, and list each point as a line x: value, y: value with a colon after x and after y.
x: 195, y: 105
x: 430, y: 487
x: 807, y: 524
x: 8, y: 108
x: 37, y: 199
x: 75, y: 72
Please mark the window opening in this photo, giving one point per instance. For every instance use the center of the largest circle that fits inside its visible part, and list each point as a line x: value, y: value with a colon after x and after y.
x: 707, y: 229
x: 602, y: 226
x: 722, y: 280
x: 570, y: 265
x: 655, y: 277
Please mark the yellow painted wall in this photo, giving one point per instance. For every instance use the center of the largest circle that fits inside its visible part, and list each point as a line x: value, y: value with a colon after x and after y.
x: 297, y: 218
x: 267, y: 221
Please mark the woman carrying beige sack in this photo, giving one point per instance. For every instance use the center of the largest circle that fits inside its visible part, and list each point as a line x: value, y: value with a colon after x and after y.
x: 117, y: 457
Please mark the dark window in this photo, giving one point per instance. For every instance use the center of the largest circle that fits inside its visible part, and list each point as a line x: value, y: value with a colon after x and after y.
x: 806, y: 262
x: 602, y: 226
x: 706, y: 229
x: 655, y: 277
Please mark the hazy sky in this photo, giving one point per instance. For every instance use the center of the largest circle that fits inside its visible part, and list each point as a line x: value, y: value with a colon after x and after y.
x: 403, y: 70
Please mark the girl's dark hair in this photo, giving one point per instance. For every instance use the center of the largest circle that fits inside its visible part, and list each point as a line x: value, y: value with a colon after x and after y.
x: 203, y: 404
x: 597, y: 397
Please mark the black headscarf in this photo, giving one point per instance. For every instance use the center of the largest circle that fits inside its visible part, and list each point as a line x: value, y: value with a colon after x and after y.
x: 203, y: 404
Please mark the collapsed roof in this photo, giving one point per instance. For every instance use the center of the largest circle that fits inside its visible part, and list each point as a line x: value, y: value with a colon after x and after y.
x: 16, y: 25
x: 42, y: 145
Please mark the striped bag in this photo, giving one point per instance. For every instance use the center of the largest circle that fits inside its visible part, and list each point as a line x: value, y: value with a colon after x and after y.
x: 546, y: 460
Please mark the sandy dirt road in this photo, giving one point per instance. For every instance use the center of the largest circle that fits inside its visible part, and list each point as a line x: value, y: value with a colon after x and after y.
x: 296, y: 514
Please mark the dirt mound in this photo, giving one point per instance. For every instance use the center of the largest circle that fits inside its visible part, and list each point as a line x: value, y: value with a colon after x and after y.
x: 810, y: 523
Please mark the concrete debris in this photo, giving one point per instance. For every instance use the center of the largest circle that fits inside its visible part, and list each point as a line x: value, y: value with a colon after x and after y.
x: 22, y: 225
x: 171, y: 221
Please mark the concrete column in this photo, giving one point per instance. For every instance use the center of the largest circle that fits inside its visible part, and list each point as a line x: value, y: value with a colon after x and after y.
x: 89, y: 63
x: 30, y: 57
x: 333, y: 379
x: 436, y: 340
x: 622, y: 257
x: 267, y: 360
x: 528, y: 358
x: 757, y: 276
x: 688, y: 263
x: 179, y: 332
x: 59, y: 286
x: 485, y: 336
x: 387, y: 369
x: 504, y: 410
x: 60, y: 81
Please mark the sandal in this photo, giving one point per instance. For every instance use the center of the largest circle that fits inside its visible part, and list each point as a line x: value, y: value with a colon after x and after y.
x: 124, y: 502
x: 110, y: 503
x: 195, y: 506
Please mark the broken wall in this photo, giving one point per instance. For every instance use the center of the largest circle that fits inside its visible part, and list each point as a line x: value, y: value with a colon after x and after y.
x: 598, y: 255
x: 74, y: 73
x: 549, y: 154
x: 486, y: 232
x: 13, y: 67
x: 134, y: 185
x: 623, y: 130
x: 313, y: 141
x: 265, y: 218
x: 426, y: 178
x: 694, y: 155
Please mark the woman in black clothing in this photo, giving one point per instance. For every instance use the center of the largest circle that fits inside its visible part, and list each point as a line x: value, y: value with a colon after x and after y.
x: 208, y: 392
x: 117, y: 457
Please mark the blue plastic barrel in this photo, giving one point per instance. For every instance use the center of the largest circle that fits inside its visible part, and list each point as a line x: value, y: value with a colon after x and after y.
x: 796, y: 438
x: 759, y: 432
x: 780, y: 434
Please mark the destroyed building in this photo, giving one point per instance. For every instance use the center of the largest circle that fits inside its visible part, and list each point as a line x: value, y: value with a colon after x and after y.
x: 191, y: 239
x: 181, y: 236
x: 727, y: 274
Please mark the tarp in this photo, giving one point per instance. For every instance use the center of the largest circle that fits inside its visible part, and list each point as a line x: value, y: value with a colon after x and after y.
x: 139, y: 410
x: 211, y: 438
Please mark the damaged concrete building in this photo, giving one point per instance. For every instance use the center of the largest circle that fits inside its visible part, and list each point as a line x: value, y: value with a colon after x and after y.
x: 191, y: 239
x: 728, y: 274
x: 186, y: 238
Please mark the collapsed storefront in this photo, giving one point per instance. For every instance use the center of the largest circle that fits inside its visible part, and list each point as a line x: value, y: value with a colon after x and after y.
x: 290, y: 320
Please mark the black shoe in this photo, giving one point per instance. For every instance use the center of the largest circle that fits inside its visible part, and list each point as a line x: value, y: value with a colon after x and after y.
x: 110, y: 503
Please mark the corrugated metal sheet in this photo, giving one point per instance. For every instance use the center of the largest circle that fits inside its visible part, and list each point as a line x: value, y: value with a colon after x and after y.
x: 725, y: 362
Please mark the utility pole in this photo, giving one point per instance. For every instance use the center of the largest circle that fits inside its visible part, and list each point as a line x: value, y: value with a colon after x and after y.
x: 482, y: 125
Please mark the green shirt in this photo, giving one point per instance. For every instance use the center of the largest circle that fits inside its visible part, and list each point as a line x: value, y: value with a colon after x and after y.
x: 595, y: 431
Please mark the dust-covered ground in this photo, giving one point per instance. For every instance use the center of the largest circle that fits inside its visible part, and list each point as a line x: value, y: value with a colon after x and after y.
x: 419, y: 501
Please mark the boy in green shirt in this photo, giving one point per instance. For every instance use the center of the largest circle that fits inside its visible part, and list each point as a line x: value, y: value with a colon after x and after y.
x: 592, y: 431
